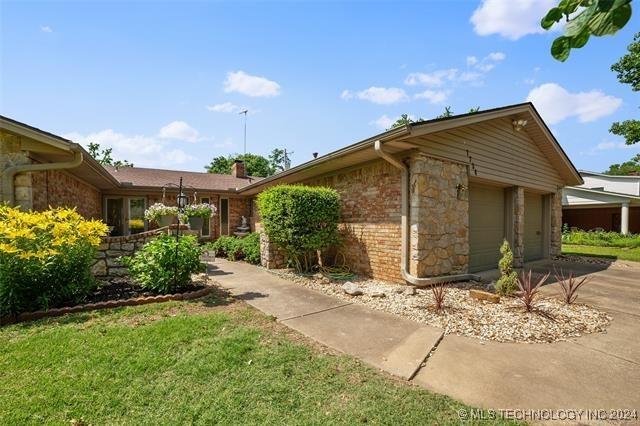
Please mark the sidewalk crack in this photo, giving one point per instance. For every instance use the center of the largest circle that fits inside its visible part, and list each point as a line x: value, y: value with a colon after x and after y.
x: 426, y: 357
x: 315, y: 312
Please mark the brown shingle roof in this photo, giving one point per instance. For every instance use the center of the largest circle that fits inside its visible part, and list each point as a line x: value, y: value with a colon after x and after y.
x: 157, y: 178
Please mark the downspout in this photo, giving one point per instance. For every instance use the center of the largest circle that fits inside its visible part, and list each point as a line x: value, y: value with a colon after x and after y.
x: 405, y: 231
x: 8, y: 188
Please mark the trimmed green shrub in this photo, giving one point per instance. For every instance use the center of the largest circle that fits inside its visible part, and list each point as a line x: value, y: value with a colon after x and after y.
x: 251, y: 248
x: 234, y: 248
x: 157, y: 267
x: 508, y: 282
x: 601, y: 238
x: 45, y: 258
x: 301, y: 220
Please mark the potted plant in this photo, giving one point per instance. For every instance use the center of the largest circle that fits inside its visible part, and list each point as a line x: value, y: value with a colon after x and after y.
x: 197, y: 213
x: 161, y: 214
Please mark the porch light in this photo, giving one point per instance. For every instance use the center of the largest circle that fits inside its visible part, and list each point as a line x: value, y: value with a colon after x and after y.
x: 182, y: 200
x: 518, y: 124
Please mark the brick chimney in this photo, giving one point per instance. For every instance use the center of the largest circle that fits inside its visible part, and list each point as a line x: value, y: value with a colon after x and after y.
x: 237, y: 169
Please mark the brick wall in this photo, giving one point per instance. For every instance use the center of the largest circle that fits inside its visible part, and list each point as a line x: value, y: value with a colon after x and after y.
x: 57, y: 188
x: 370, y: 209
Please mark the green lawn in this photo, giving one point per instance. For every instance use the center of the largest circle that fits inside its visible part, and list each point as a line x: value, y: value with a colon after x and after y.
x: 620, y: 253
x: 205, y: 362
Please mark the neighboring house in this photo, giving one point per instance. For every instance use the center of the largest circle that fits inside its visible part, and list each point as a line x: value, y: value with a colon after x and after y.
x: 607, y: 202
x: 429, y: 199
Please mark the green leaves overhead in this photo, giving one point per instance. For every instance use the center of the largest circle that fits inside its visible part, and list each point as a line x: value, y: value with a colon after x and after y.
x: 585, y: 18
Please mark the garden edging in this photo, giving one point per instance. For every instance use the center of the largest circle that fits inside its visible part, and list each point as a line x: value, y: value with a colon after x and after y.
x: 56, y: 312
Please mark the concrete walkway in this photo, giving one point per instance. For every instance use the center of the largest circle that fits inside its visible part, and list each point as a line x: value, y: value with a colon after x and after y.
x: 600, y: 371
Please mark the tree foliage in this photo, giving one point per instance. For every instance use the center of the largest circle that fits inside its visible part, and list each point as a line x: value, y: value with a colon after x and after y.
x: 585, y: 18
x: 301, y: 220
x: 628, y: 70
x: 508, y: 281
x: 280, y: 159
x: 405, y: 119
x: 631, y: 167
x: 104, y: 157
x: 254, y: 164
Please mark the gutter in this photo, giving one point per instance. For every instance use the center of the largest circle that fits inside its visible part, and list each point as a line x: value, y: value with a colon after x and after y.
x: 405, y: 232
x: 8, y: 187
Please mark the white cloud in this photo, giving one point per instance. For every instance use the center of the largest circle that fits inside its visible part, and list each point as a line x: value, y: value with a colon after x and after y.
x: 472, y: 60
x: 250, y: 85
x: 511, y: 19
x: 609, y: 146
x: 227, y: 143
x: 433, y: 79
x: 225, y: 107
x: 496, y: 56
x: 142, y: 151
x: 385, y: 122
x: 555, y: 103
x: 529, y: 81
x: 346, y: 95
x: 179, y: 130
x: 377, y: 95
x: 46, y: 29
x: 433, y: 96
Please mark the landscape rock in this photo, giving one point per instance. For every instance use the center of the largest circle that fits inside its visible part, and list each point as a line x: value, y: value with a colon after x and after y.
x: 483, y: 295
x: 378, y: 294
x: 410, y: 291
x: 351, y: 289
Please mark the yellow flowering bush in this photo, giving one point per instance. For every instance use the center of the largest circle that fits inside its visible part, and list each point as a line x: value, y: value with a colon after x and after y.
x: 45, y: 258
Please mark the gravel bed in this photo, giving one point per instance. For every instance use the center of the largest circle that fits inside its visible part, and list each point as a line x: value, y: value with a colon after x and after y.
x: 506, y: 321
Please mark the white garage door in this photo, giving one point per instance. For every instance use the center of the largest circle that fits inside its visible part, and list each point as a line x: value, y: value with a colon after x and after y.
x: 486, y: 226
x: 533, y: 220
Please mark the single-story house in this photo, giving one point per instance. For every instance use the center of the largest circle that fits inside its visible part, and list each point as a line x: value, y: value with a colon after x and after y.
x: 607, y: 202
x: 429, y: 199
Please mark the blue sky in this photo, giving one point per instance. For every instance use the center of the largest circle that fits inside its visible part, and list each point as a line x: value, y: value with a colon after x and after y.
x: 162, y: 82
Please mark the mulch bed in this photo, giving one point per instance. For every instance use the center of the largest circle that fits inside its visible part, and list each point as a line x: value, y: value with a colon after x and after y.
x: 115, y: 293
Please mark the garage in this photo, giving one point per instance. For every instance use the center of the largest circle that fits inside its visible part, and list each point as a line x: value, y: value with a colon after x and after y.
x: 486, y: 226
x: 533, y: 226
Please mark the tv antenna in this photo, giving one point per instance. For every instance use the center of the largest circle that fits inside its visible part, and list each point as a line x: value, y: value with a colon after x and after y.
x: 245, y: 130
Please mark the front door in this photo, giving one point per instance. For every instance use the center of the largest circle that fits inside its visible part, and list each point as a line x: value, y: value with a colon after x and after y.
x: 224, y: 216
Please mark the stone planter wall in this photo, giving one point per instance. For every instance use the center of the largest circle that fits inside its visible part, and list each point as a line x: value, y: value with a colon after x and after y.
x: 106, y: 264
x: 271, y: 257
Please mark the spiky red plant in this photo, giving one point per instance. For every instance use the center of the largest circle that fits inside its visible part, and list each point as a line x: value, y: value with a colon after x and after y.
x: 569, y: 285
x: 529, y: 289
x: 439, y: 293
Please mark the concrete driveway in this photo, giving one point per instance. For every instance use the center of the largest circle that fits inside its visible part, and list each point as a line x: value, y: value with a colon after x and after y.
x: 599, y: 371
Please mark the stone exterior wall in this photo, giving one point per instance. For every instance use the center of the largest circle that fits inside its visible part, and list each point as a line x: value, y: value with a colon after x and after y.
x: 271, y: 257
x: 555, y: 243
x: 370, y: 210
x: 439, y: 217
x: 57, y: 188
x: 12, y: 155
x: 517, y: 243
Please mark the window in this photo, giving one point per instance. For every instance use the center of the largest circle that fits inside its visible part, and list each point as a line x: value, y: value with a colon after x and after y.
x: 136, y: 215
x: 224, y: 216
x: 206, y: 225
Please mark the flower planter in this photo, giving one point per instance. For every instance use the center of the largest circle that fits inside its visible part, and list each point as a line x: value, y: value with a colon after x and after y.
x: 195, y: 223
x: 166, y: 220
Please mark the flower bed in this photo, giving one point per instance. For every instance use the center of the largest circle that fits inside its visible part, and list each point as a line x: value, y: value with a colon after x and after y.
x: 503, y: 322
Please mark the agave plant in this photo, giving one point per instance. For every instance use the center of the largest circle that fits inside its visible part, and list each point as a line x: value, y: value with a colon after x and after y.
x: 439, y: 293
x: 529, y: 289
x: 569, y: 285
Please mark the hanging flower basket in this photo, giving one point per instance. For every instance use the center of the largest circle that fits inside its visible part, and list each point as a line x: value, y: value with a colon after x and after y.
x: 161, y: 214
x: 198, y: 213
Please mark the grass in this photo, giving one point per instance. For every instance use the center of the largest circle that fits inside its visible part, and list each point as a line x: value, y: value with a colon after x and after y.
x: 601, y: 239
x: 210, y: 361
x: 617, y: 253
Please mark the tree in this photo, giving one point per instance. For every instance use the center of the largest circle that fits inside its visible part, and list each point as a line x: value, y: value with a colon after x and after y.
x: 585, y: 18
x: 446, y: 113
x: 280, y: 159
x: 103, y: 156
x: 404, y: 120
x: 628, y: 69
x: 254, y: 165
x: 631, y: 167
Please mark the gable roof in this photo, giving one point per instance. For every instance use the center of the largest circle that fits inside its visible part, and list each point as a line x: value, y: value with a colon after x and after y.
x: 141, y: 177
x: 397, y: 140
x: 612, y: 177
